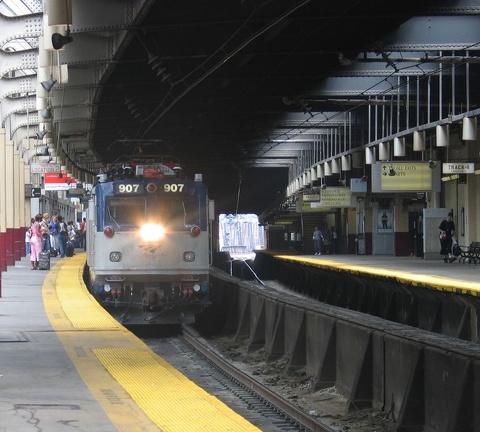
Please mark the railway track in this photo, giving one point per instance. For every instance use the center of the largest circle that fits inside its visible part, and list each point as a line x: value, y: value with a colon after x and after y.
x: 284, y: 415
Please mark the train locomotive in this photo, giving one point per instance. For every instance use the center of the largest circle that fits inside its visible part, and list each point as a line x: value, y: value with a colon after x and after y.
x: 148, y: 243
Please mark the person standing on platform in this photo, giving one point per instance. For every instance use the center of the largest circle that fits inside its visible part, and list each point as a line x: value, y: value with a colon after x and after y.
x: 45, y: 232
x: 72, y: 234
x: 317, y: 241
x: 36, y: 241
x: 62, y: 236
x: 334, y: 238
x: 28, y: 235
x: 82, y: 233
x: 446, y: 232
x: 54, y: 228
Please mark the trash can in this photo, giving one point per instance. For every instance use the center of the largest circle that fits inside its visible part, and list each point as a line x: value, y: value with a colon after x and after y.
x: 360, y: 239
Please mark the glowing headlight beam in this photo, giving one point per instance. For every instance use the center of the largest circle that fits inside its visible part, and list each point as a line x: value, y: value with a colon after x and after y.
x: 151, y: 232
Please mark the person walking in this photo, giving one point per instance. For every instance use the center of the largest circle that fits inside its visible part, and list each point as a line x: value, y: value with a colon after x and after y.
x: 36, y: 241
x: 317, y: 241
x: 446, y: 232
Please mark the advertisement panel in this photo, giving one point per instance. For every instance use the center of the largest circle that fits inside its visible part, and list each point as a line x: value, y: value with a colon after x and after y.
x: 58, y: 182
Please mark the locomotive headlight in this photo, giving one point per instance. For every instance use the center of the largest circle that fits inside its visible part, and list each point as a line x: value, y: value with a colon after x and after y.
x: 189, y: 256
x: 196, y: 287
x: 152, y: 232
x: 107, y: 288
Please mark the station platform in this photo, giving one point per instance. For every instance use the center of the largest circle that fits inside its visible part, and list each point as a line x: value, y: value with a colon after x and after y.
x: 457, y: 277
x: 67, y: 365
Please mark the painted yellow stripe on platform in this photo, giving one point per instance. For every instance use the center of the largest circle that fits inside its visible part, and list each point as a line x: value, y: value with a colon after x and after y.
x: 168, y: 397
x: 443, y: 283
x: 137, y: 389
x: 76, y: 301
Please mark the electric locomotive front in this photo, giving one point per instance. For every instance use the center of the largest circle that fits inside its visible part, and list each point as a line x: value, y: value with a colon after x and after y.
x: 148, y: 249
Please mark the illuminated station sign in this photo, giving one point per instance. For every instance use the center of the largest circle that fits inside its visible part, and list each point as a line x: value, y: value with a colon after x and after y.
x: 405, y: 177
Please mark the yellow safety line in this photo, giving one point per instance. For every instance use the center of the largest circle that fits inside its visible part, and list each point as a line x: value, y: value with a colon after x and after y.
x: 137, y: 389
x: 171, y: 400
x: 440, y: 282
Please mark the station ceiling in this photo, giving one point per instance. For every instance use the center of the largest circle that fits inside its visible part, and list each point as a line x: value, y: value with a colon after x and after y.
x: 228, y: 84
x: 237, y: 90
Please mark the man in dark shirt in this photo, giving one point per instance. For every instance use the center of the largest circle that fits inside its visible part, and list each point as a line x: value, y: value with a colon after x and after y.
x: 446, y: 233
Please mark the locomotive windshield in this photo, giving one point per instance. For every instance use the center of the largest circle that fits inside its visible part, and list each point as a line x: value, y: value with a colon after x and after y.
x: 172, y: 211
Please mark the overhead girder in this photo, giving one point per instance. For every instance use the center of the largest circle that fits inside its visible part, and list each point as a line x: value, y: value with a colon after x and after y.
x: 101, y: 32
x: 437, y: 35
x: 16, y: 107
x: 12, y: 61
x: 98, y: 33
x: 438, y: 32
x: 11, y: 105
x: 21, y: 27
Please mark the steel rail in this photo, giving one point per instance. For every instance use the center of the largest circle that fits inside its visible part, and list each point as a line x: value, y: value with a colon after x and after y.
x: 303, y: 419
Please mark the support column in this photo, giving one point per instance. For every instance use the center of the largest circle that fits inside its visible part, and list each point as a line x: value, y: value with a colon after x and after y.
x: 18, y: 199
x: 27, y: 208
x: 10, y: 203
x: 3, y: 206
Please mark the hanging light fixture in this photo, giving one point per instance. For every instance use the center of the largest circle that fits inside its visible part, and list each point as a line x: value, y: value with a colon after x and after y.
x: 399, y: 146
x: 443, y: 135
x: 46, y: 113
x: 41, y: 134
x: 383, y: 151
x: 346, y: 165
x: 369, y: 156
x: 59, y: 41
x: 335, y: 166
x: 320, y: 172
x: 47, y: 85
x: 469, y: 129
x: 419, y: 141
x: 59, y: 12
x: 327, y: 169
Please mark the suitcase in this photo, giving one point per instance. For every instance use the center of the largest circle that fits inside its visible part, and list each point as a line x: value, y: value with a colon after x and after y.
x: 69, y: 249
x: 44, y: 260
x: 53, y: 252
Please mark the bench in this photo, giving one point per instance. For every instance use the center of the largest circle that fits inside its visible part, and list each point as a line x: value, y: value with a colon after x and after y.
x: 470, y: 254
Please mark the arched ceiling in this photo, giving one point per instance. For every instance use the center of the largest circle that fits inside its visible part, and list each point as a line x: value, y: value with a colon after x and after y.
x: 242, y: 90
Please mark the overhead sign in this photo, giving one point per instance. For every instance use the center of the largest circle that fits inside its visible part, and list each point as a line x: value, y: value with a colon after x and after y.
x: 58, y: 181
x: 309, y: 197
x: 336, y: 197
x: 36, y: 192
x: 405, y: 177
x: 76, y: 192
x: 43, y: 168
x: 458, y: 168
